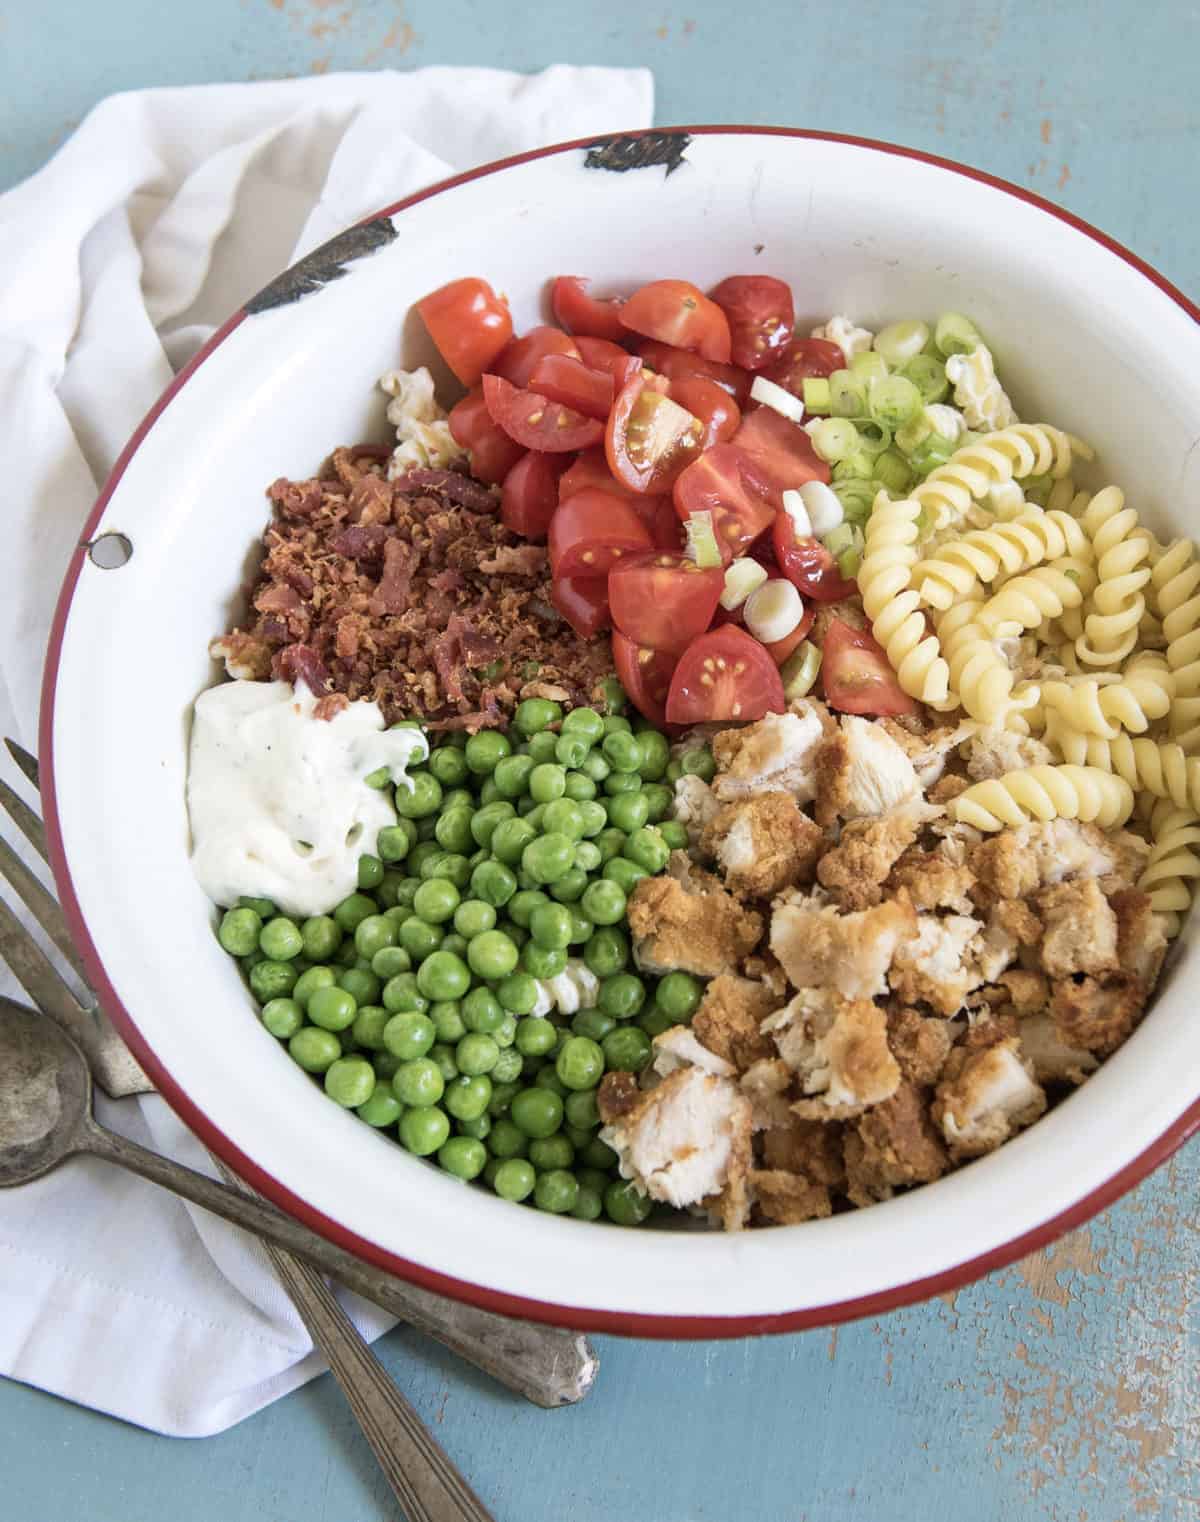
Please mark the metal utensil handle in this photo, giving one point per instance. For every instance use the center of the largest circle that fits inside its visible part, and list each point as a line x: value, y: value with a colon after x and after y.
x: 427, y: 1484
x: 546, y: 1365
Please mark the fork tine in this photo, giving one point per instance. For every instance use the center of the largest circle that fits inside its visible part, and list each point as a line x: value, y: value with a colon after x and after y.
x: 25, y: 819
x: 37, y: 975
x: 27, y: 763
x: 41, y: 904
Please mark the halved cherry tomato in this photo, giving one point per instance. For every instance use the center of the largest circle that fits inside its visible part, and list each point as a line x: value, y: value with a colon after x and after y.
x: 583, y: 602
x: 530, y: 494
x: 781, y: 450
x: 780, y: 649
x: 725, y: 483
x: 516, y: 362
x: 760, y: 315
x: 584, y: 315
x: 649, y: 438
x: 803, y: 359
x: 537, y: 423
x: 470, y: 325
x: 600, y: 354
x: 807, y: 564
x: 493, y: 453
x: 645, y: 675
x: 664, y: 528
x: 663, y: 601
x: 711, y: 403
x: 591, y: 531
x: 591, y: 469
x: 677, y: 312
x: 570, y: 382
x: 725, y: 674
x: 675, y: 364
x: 856, y: 676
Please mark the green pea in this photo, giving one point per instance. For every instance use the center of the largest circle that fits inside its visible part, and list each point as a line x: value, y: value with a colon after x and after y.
x: 598, y: 1154
x: 350, y: 1081
x: 448, y: 1020
x: 406, y: 891
x: 273, y: 980
x: 367, y: 1029
x: 570, y: 751
x: 443, y: 975
x: 623, y: 1204
x: 473, y: 917
x: 492, y: 955
x: 476, y: 1054
x: 588, y: 1206
x: 541, y: 747
x: 484, y: 822
x: 449, y: 766
x: 580, y: 788
x: 374, y: 934
x: 523, y: 904
x: 462, y: 1157
x: 468, y: 1096
x: 350, y: 913
x: 593, y: 818
x: 239, y: 931
x: 615, y: 724
x: 594, y: 766
x: 409, y: 1035
x: 506, y: 1140
x: 436, y: 900
x: 452, y: 830
x: 610, y: 843
x: 449, y: 865
x: 424, y: 1131
x: 617, y: 783
x: 564, y: 817
x: 679, y: 995
x: 478, y: 1128
x: 622, y: 752
x: 614, y: 695
x: 655, y: 754
x: 674, y: 833
x: 654, y: 1022
x: 622, y: 995
x: 493, y: 882
x: 594, y: 1024
x: 385, y: 1065
x: 585, y: 722
x: 383, y: 1109
x: 442, y: 1054
x: 659, y: 801
x: 603, y: 902
x: 556, y: 1191
x: 279, y: 939
x: 580, y: 1109
x: 509, y: 839
x: 550, y: 925
x: 362, y: 983
x: 537, y: 1112
x: 402, y: 993
x: 512, y: 776
x: 548, y: 857
x: 263, y: 907
x: 580, y: 1063
x: 457, y: 798
x: 455, y: 943
x: 518, y: 993
x: 535, y: 1037
x: 628, y: 812
x: 536, y: 714
x: 551, y: 1152
x: 698, y: 763
x: 581, y: 926
x: 315, y: 1050
x: 426, y: 830
x: 282, y: 1017
x: 510, y: 1064
x: 543, y: 962
x: 320, y: 937
x: 308, y: 983
x: 547, y: 1078
x: 481, y: 1011
x: 534, y: 818
x: 418, y: 1082
x: 421, y: 797
x: 370, y: 871
x: 568, y: 889
x: 385, y: 894
x: 514, y: 1179
x: 346, y: 954
x: 547, y: 782
x: 587, y: 856
x: 390, y: 960
x: 418, y: 937
x: 486, y: 750
x: 625, y: 873
x: 627, y: 1049
x: 647, y: 849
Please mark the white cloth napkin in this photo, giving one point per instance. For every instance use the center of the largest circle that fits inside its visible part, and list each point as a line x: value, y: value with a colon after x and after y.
x: 164, y: 212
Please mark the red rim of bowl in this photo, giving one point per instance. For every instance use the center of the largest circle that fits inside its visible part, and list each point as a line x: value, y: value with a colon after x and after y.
x: 629, y: 1323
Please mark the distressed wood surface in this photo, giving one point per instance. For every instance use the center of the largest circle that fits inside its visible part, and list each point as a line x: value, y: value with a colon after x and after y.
x: 1064, y: 1388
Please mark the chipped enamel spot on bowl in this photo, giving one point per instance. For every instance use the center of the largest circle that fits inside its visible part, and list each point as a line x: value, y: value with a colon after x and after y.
x: 1077, y: 326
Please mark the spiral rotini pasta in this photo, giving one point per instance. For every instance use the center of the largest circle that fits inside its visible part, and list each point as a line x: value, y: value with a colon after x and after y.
x: 1172, y: 866
x: 1110, y: 627
x: 1028, y: 600
x: 1153, y: 766
x: 893, y: 607
x: 1176, y: 583
x: 979, y: 675
x: 948, y: 493
x: 983, y: 399
x: 1143, y: 694
x: 1086, y: 793
x: 1004, y: 549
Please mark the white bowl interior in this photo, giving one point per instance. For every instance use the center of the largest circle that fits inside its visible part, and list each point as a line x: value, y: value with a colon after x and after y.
x: 1084, y: 340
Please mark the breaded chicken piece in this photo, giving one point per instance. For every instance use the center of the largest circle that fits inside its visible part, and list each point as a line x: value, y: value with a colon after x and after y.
x: 861, y: 772
x: 992, y: 752
x: 766, y: 1084
x: 787, y: 1199
x: 1011, y: 927
x: 1016, y: 863
x: 820, y: 948
x: 678, y: 1047
x: 763, y: 844
x: 920, y: 1044
x: 1053, y: 1060
x: 933, y: 881
x: 933, y: 967
x: 729, y: 1018
x: 706, y: 932
x: 695, y: 806
x: 1097, y: 1014
x: 986, y: 1095
x: 838, y: 1050
x: 684, y: 1140
x: 891, y: 1147
x: 1026, y: 993
x: 1080, y: 933
x: 764, y: 968
x: 947, y: 788
x: 855, y: 870
x: 778, y: 753
x: 929, y: 750
x: 1141, y: 943
x: 810, y: 1147
x: 618, y: 1095
x: 1130, y: 853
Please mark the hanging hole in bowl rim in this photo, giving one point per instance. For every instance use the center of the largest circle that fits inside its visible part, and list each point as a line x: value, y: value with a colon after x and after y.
x: 110, y: 551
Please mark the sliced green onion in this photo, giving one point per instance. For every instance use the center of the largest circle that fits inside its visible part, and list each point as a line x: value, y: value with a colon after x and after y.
x: 857, y: 498
x: 1072, y: 575
x: 741, y: 578
x: 873, y: 437
x: 892, y: 470
x: 869, y: 367
x: 1037, y: 489
x: 913, y: 435
x: 796, y: 508
x: 702, y: 541
x: 856, y: 467
x: 894, y: 402
x: 799, y: 671
x: 834, y: 438
x: 948, y: 421
x: 777, y: 398
x: 842, y: 538
x: 380, y: 777
x: 924, y: 524
x: 773, y: 610
x: 824, y: 509
x: 847, y: 395
x: 935, y: 451
x: 901, y: 341
x: 928, y: 376
x: 816, y: 392
x: 848, y: 564
x: 955, y: 334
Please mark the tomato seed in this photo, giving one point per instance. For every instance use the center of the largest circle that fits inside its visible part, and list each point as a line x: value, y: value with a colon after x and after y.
x: 535, y: 417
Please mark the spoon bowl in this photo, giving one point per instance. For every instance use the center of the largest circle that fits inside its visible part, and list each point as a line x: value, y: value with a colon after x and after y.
x: 45, y: 1095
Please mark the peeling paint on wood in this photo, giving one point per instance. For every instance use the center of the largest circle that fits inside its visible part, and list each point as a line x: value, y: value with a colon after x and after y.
x: 324, y: 264
x: 639, y: 150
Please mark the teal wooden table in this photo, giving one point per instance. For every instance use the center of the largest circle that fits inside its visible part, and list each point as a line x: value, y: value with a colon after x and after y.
x: 1065, y: 1388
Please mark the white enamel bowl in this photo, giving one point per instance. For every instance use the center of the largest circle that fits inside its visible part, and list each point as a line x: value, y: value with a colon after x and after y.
x: 1087, y: 337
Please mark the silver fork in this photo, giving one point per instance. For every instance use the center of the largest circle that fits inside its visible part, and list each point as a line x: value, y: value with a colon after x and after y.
x: 549, y: 1366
